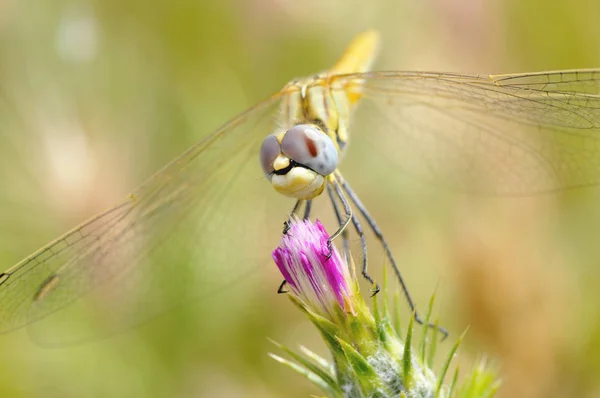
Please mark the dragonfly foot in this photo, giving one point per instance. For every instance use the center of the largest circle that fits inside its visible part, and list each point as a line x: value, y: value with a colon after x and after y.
x: 286, y: 227
x: 329, y: 249
x: 375, y: 289
x: 281, y: 289
x: 440, y: 329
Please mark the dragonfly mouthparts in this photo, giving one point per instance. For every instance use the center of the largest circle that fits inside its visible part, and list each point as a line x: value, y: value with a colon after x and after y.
x: 289, y: 167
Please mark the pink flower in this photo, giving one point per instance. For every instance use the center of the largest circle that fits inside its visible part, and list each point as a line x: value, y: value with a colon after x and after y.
x: 323, y: 282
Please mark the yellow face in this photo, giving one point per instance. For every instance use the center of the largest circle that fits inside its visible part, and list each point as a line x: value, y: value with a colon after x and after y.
x: 298, y: 182
x: 298, y: 161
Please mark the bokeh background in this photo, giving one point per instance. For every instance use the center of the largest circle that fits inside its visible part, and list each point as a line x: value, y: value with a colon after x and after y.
x: 97, y: 95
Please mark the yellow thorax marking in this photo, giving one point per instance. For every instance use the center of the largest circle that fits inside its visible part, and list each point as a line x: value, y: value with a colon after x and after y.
x: 317, y: 98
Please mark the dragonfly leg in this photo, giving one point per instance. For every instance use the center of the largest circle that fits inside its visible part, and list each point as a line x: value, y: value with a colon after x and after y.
x: 338, y: 216
x: 286, y: 228
x: 347, y: 211
x: 359, y: 231
x: 287, y: 223
x: 362, y: 209
x: 343, y: 224
x: 363, y: 243
x: 281, y: 289
x: 307, y: 208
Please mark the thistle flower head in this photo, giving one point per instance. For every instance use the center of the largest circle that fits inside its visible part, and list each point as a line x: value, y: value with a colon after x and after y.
x: 313, y: 269
x: 368, y: 357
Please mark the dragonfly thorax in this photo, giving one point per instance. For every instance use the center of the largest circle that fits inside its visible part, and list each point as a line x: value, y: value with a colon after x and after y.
x: 298, y: 161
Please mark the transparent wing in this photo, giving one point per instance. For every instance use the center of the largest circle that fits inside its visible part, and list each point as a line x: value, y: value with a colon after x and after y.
x: 514, y: 134
x: 195, y: 220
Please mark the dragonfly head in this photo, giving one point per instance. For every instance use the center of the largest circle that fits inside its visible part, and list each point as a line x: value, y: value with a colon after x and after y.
x: 298, y: 161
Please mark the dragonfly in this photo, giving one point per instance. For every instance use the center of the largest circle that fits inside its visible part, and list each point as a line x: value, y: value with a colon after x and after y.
x: 502, y: 135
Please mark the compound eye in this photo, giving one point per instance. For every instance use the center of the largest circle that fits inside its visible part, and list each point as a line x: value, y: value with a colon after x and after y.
x: 269, y: 151
x: 311, y: 147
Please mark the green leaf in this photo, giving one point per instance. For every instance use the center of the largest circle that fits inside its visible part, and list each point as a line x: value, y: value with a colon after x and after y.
x: 370, y: 382
x: 384, y: 293
x: 434, y: 342
x: 425, y: 329
x: 376, y: 311
x: 332, y: 389
x: 397, y: 318
x: 448, y: 361
x: 385, y: 330
x: 407, y: 367
x: 481, y: 383
x: 322, y: 362
x: 311, y: 366
x: 453, y: 383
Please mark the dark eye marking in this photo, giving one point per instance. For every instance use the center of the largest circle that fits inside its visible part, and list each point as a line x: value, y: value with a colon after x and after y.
x: 311, y: 146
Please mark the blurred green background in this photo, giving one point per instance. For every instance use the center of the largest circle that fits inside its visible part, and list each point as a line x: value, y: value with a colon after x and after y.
x: 97, y: 95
